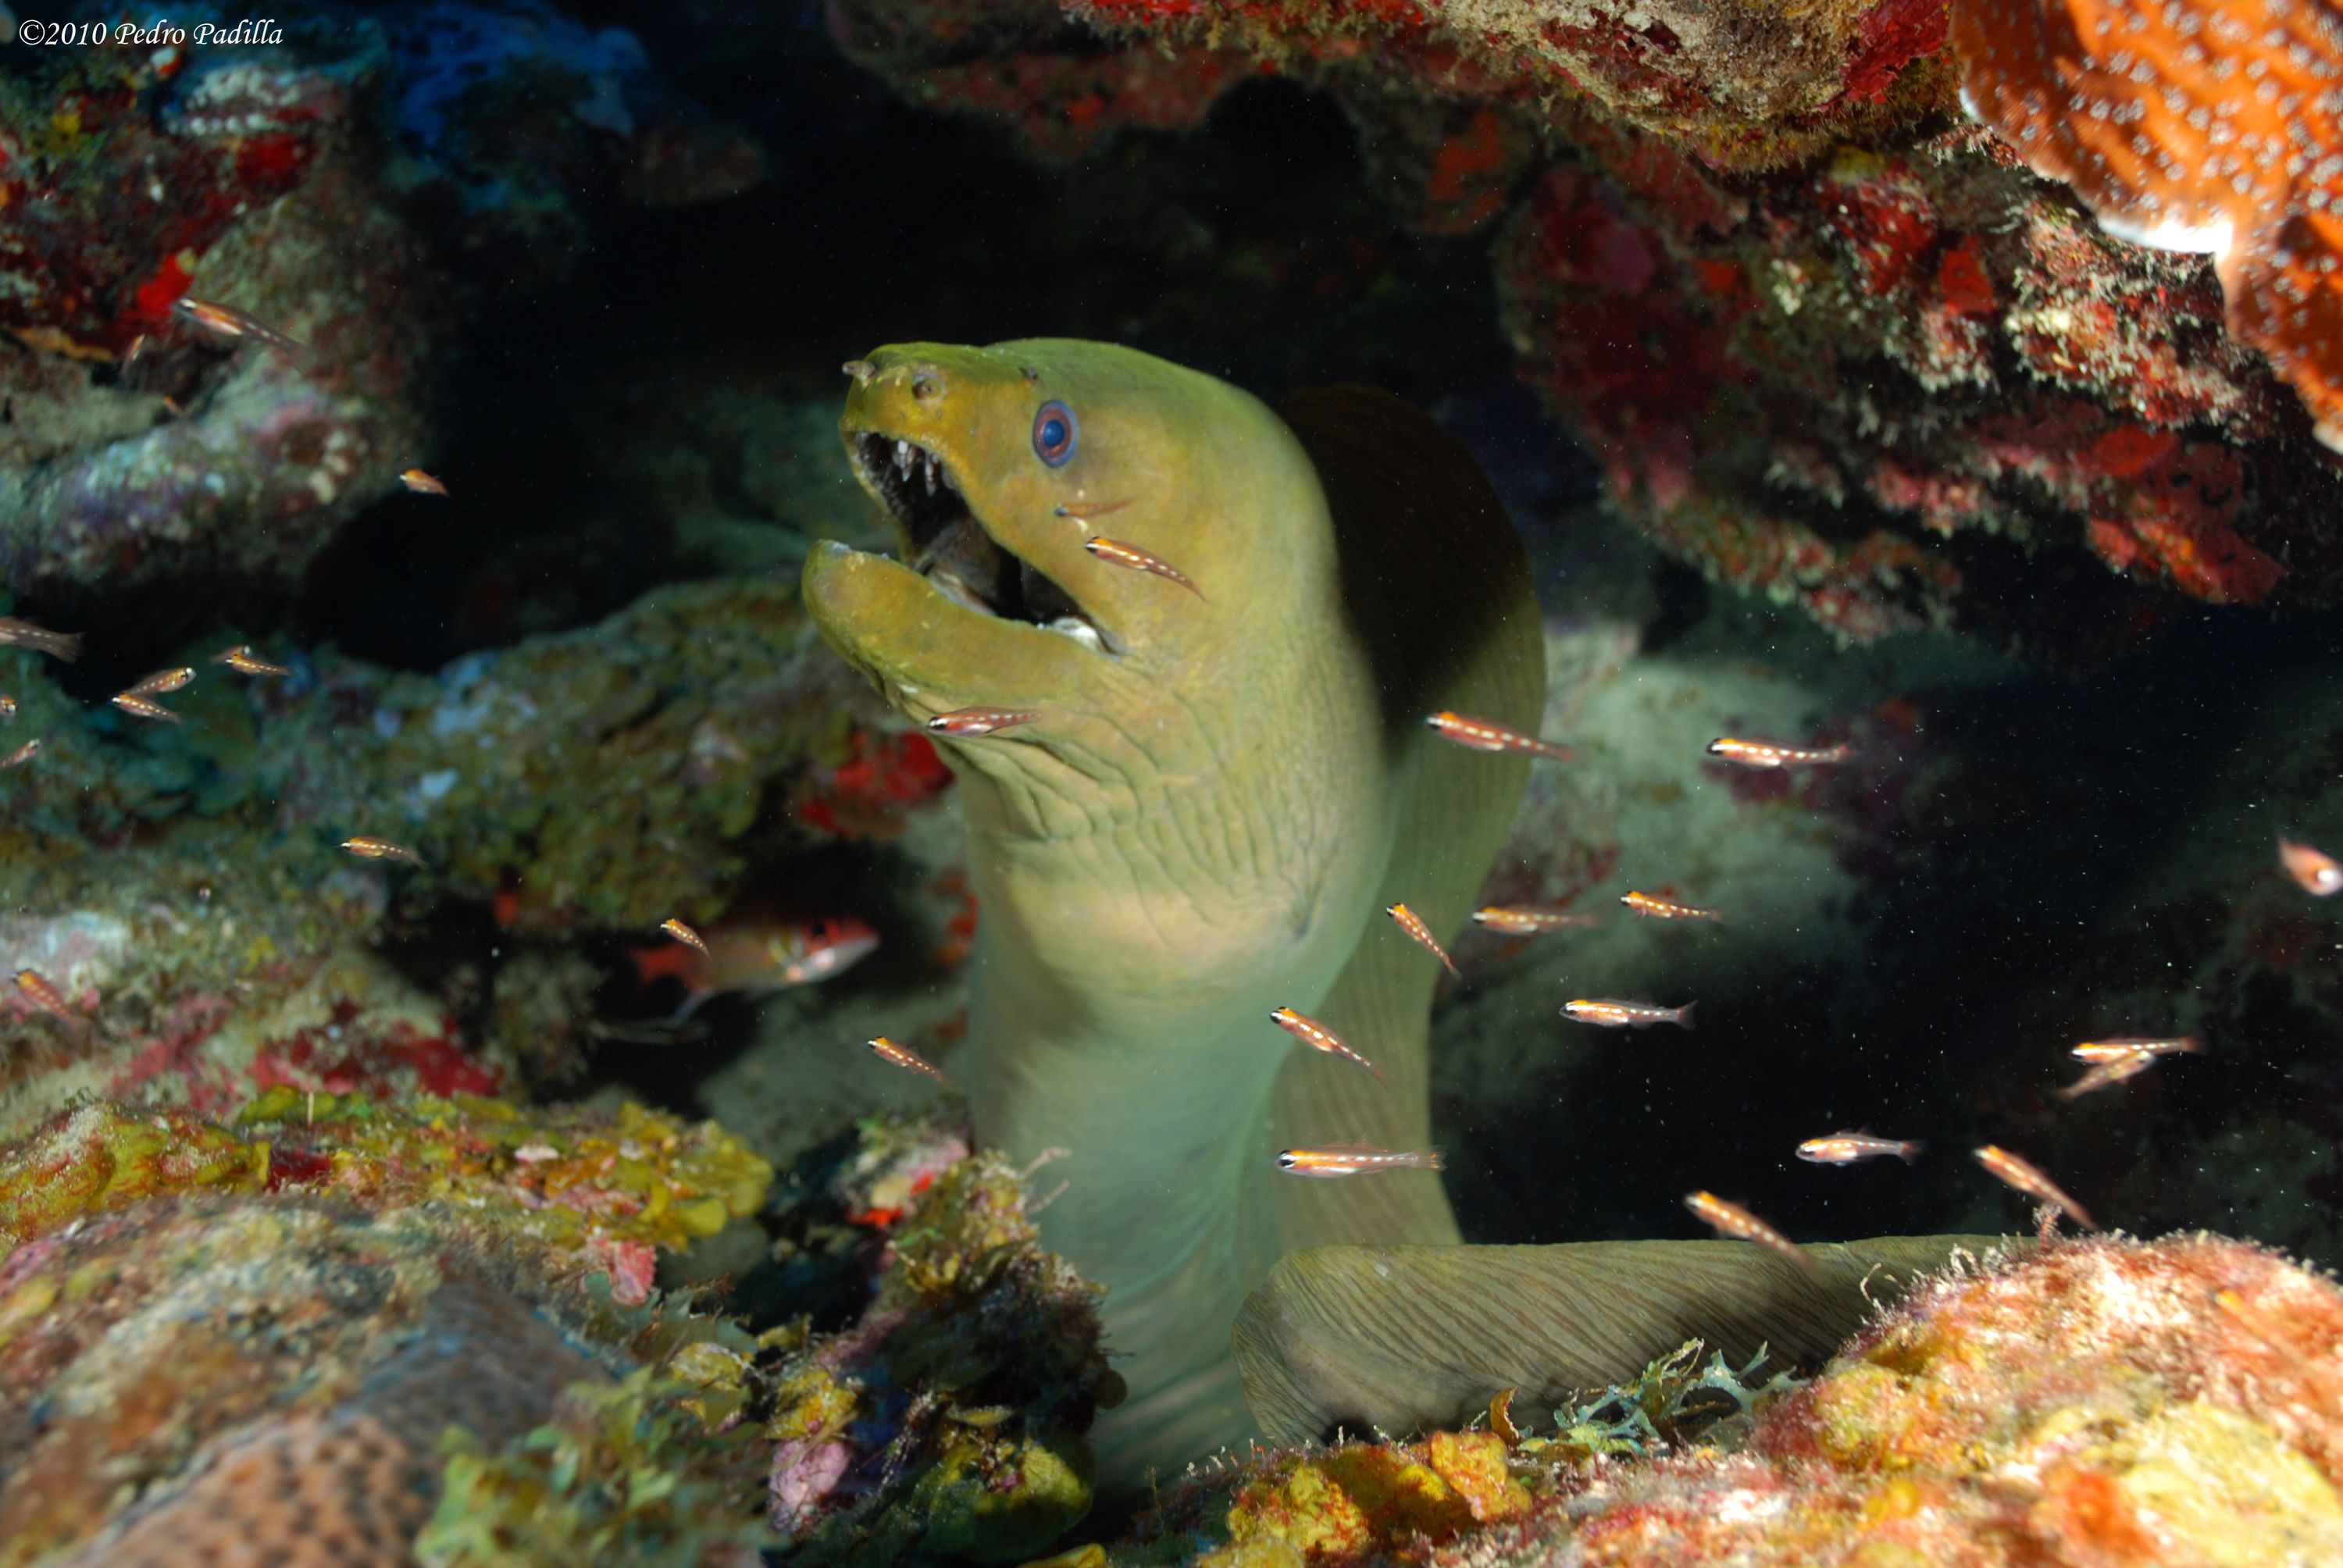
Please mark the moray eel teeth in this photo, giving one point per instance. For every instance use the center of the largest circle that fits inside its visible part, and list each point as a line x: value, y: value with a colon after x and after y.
x: 946, y: 542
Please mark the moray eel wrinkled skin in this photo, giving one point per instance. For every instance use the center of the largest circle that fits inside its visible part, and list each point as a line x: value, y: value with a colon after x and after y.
x: 1221, y: 791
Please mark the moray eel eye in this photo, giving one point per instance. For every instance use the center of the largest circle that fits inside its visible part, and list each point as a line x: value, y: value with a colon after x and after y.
x: 1053, y: 434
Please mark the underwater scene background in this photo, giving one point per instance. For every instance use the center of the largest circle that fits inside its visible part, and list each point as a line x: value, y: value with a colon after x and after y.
x: 474, y: 804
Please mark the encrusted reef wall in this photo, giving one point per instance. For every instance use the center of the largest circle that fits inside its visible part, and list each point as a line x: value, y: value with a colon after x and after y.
x: 1830, y: 339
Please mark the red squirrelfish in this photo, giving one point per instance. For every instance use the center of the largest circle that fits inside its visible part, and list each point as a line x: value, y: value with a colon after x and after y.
x: 1318, y: 1037
x: 1608, y: 1012
x: 2023, y: 1176
x: 1137, y: 560
x: 2315, y: 872
x: 894, y: 1055
x: 244, y: 661
x: 1355, y: 1160
x: 227, y: 321
x: 1734, y: 1222
x: 966, y: 722
x: 1651, y: 906
x: 38, y: 992
x: 1413, y: 924
x: 1533, y: 922
x: 63, y: 645
x: 758, y: 955
x: 1775, y: 753
x: 1484, y: 735
x: 2118, y: 1050
x: 1847, y: 1148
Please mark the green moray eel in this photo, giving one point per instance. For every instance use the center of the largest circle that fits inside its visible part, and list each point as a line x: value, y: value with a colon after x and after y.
x: 1220, y: 793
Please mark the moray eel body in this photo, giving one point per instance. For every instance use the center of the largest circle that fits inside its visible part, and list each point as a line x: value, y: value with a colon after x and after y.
x: 1222, y: 792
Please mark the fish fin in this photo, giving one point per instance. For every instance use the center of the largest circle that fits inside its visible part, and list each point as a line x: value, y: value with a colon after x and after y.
x: 1684, y: 1015
x: 692, y: 997
x: 1433, y: 1158
x: 1913, y: 1149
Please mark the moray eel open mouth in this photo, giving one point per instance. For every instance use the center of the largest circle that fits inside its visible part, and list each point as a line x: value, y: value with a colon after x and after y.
x: 948, y: 544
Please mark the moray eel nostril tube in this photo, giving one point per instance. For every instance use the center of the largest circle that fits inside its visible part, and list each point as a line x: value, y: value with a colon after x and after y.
x: 1218, y: 798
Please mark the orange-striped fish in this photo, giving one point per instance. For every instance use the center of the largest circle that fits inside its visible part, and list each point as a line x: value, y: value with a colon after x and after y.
x: 2117, y: 1050
x: 1847, y: 1148
x: 1318, y: 1037
x: 139, y: 707
x: 1608, y: 1012
x: 227, y: 321
x: 421, y: 483
x: 161, y: 681
x: 1775, y: 753
x: 60, y: 645
x: 1413, y: 924
x: 683, y: 934
x: 1354, y: 1159
x: 2106, y: 1070
x: 22, y: 755
x: 1487, y: 735
x: 965, y: 722
x: 2313, y: 870
x: 894, y: 1055
x: 244, y: 661
x: 367, y: 848
x: 1137, y: 560
x: 2031, y: 1181
x: 1735, y: 1223
x: 1653, y: 907
x: 1526, y: 922
x: 38, y: 992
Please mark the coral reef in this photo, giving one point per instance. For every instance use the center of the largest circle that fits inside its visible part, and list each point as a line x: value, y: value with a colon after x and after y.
x: 146, y: 452
x: 2097, y: 1403
x: 1827, y: 348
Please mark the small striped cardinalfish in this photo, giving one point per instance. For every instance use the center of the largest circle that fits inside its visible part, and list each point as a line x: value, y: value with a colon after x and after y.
x: 1487, y: 735
x: 1653, y: 907
x: 40, y: 993
x: 1847, y: 1148
x: 1413, y: 924
x: 965, y: 723
x: 1735, y: 1223
x: 61, y: 645
x: 227, y: 321
x: 137, y: 706
x: 2111, y: 1069
x: 160, y: 682
x: 2313, y: 870
x: 1318, y: 1037
x: 1115, y: 552
x: 371, y: 848
x: 903, y: 1056
x: 244, y: 661
x: 2024, y: 1176
x: 1526, y: 922
x: 2120, y: 1048
x: 1355, y: 1160
x: 1609, y: 1012
x: 1777, y: 753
